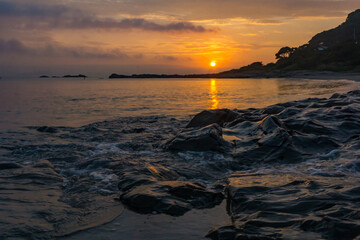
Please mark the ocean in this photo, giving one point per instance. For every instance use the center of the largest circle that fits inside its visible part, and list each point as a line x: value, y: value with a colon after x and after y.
x: 100, y: 158
x: 76, y: 102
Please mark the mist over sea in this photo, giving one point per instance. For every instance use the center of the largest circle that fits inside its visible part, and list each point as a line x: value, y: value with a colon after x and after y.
x: 126, y: 159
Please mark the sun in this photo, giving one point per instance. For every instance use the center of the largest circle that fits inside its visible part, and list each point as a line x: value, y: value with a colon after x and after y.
x: 213, y: 64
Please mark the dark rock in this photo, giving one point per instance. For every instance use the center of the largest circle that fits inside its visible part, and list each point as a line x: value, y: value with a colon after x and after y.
x: 156, y: 189
x: 205, y: 139
x: 208, y: 117
x: 114, y: 75
x: 223, y: 233
x: 267, y: 206
x: 273, y: 109
x: 270, y: 123
x: 47, y: 129
x: 43, y: 164
x: 134, y: 130
x: 170, y: 197
x: 9, y: 165
x: 152, y: 198
x: 75, y: 76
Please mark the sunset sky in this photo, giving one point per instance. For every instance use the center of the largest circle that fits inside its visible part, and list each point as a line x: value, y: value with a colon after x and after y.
x: 99, y: 37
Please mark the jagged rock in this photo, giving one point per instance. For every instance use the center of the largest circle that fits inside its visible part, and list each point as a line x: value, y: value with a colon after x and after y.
x: 273, y: 109
x: 204, y: 139
x: 156, y: 189
x: 171, y: 197
x: 43, y: 164
x: 281, y: 206
x: 223, y: 233
x: 9, y: 165
x: 207, y: 117
x: 47, y: 129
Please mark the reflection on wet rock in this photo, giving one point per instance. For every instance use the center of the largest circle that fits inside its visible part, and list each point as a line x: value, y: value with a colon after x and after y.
x: 156, y: 190
x: 290, y: 206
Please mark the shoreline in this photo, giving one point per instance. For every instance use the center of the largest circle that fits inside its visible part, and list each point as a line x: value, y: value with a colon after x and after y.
x: 321, y: 75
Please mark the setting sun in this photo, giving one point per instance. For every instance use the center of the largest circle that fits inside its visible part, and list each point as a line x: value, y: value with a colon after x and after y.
x: 213, y: 64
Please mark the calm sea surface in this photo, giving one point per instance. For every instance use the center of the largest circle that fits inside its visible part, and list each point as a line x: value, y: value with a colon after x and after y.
x: 76, y: 102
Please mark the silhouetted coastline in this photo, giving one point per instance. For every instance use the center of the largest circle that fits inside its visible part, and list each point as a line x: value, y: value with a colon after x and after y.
x: 330, y: 53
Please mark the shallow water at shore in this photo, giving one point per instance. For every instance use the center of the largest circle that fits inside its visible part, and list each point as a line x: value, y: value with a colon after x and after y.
x: 286, y: 171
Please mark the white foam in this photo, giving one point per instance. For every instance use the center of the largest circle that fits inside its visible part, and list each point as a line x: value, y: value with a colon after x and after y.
x: 331, y: 155
x: 104, y: 177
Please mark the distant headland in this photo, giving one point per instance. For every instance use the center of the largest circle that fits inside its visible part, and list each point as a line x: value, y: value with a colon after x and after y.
x: 327, y: 53
x: 65, y: 76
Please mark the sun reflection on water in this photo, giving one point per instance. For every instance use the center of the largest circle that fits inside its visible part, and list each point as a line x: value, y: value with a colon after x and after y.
x: 213, y: 94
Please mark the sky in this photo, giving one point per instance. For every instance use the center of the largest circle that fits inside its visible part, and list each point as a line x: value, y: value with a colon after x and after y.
x: 100, y: 37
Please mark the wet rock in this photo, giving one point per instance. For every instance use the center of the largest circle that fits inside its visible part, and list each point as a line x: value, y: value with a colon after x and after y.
x: 267, y: 141
x: 9, y: 165
x: 270, y: 123
x: 43, y: 164
x: 170, y: 197
x: 282, y: 206
x: 134, y: 130
x: 223, y: 233
x: 204, y: 139
x: 152, y: 198
x: 46, y: 129
x: 156, y: 189
x: 207, y: 117
x: 275, y: 109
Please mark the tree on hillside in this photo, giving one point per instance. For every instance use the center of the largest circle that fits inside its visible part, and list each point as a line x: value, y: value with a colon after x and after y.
x: 284, y: 53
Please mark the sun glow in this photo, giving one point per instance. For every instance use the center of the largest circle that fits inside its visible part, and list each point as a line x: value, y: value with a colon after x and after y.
x: 213, y: 64
x: 213, y: 94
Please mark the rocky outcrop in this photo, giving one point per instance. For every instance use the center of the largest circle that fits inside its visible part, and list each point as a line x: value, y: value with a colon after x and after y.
x: 207, y: 117
x: 281, y: 206
x: 155, y: 190
x: 208, y: 138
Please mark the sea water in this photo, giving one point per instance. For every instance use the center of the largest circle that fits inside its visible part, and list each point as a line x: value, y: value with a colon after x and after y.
x: 76, y: 102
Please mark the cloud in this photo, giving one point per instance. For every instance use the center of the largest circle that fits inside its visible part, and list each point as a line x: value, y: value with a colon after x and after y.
x: 258, y: 46
x: 133, y: 23
x: 57, y: 16
x: 17, y: 48
x: 12, y: 46
x: 13, y: 9
x: 250, y: 9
